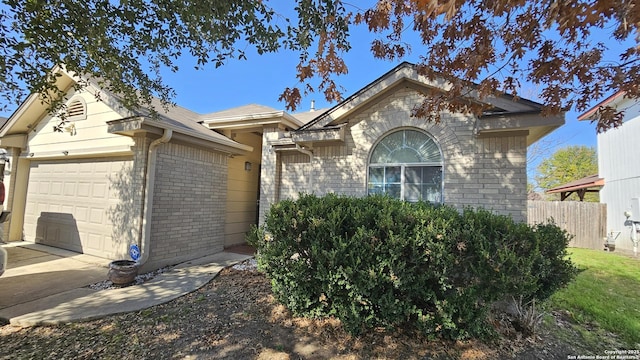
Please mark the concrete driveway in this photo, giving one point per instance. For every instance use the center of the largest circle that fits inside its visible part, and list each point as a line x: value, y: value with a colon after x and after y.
x: 45, y: 285
x: 37, y: 271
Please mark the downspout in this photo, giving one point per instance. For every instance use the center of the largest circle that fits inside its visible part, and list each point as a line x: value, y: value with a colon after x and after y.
x: 310, y: 154
x: 148, y: 195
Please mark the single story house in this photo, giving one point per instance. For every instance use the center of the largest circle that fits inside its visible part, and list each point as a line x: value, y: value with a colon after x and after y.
x: 618, y: 165
x: 185, y: 185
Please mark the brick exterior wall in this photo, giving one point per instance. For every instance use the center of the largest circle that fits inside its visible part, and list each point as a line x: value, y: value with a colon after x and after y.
x: 188, y: 205
x: 488, y: 172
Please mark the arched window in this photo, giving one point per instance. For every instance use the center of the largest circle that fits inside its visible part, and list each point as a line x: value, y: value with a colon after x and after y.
x: 407, y: 164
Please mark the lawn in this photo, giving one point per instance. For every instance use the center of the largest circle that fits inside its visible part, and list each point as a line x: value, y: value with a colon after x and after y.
x: 606, y: 294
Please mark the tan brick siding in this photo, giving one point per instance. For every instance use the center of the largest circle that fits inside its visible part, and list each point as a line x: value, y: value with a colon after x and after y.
x: 188, y: 204
x: 487, y: 172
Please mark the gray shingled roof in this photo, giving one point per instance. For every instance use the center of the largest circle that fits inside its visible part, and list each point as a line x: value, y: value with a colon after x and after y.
x: 180, y: 117
x: 307, y: 116
x: 239, y: 112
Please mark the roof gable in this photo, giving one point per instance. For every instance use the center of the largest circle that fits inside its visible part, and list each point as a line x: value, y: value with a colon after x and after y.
x: 504, y: 114
x: 406, y: 74
x: 33, y: 111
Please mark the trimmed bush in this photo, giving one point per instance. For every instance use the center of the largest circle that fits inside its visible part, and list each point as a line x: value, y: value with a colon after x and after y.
x: 381, y: 262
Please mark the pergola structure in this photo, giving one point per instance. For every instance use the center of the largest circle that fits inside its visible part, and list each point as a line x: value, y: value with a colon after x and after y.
x: 588, y: 184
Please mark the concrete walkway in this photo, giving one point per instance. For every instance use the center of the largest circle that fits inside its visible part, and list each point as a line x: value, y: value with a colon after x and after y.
x: 84, y: 304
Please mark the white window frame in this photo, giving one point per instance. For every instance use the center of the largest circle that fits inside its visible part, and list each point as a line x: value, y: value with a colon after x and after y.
x: 404, y: 165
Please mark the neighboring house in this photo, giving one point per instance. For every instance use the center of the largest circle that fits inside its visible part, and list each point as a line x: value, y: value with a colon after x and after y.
x: 186, y: 185
x: 619, y: 166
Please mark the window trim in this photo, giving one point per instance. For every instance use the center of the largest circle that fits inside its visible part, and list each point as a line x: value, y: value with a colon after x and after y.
x: 403, y: 165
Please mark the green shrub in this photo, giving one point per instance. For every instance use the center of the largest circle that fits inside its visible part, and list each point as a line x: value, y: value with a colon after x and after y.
x: 380, y: 262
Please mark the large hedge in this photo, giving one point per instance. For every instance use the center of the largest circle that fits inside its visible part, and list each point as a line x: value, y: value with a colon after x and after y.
x: 377, y: 261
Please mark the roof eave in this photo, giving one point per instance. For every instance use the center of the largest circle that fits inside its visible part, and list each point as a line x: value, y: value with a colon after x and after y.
x: 133, y: 125
x: 34, y: 99
x: 537, y: 126
x: 407, y: 73
x: 588, y: 115
x: 323, y: 135
x: 253, y: 120
x: 577, y: 185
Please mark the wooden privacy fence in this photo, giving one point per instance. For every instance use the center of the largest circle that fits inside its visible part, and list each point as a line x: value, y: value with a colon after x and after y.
x: 586, y: 221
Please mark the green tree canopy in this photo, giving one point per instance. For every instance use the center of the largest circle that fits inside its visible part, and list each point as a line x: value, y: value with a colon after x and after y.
x: 566, y: 165
x: 481, y: 47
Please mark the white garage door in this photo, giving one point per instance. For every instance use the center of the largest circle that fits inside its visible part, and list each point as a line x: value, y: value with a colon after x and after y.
x: 70, y: 204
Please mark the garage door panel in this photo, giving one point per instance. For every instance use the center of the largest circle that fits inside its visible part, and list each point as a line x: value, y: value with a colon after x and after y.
x: 69, y: 202
x: 95, y: 241
x: 84, y: 189
x: 96, y: 216
x: 43, y: 188
x: 66, y: 209
x: 41, y: 208
x: 99, y: 190
x: 51, y: 234
x: 56, y: 188
x: 80, y: 212
x: 54, y: 208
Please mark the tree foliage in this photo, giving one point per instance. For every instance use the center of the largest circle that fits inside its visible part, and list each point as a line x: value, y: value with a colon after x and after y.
x: 500, y: 42
x: 123, y: 46
x: 566, y: 165
x: 482, y: 48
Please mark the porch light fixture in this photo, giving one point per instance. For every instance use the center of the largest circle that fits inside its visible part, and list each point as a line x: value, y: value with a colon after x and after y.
x: 247, y: 166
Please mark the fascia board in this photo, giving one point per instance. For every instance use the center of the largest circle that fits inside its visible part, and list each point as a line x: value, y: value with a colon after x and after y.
x: 130, y: 126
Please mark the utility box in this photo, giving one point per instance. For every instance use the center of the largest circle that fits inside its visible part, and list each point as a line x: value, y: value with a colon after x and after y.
x: 635, y: 209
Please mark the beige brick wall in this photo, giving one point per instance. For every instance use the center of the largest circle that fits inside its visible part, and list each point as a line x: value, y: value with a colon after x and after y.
x: 487, y: 172
x: 188, y: 205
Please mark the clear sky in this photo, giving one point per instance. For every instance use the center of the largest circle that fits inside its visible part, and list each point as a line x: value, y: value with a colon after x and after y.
x: 261, y: 78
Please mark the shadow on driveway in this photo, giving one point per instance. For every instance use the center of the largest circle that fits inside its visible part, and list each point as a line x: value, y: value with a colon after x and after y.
x: 36, y: 271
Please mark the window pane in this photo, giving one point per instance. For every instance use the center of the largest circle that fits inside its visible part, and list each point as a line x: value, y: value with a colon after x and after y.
x: 412, y: 192
x: 393, y: 190
x: 432, y: 175
x: 431, y: 193
x: 423, y: 183
x: 393, y: 174
x: 376, y: 175
x: 376, y: 180
x: 405, y: 155
x: 413, y: 174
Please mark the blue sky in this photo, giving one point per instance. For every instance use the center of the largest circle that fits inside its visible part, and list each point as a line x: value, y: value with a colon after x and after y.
x: 261, y: 78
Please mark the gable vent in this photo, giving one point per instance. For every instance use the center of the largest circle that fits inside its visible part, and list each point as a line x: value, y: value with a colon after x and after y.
x: 77, y: 109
